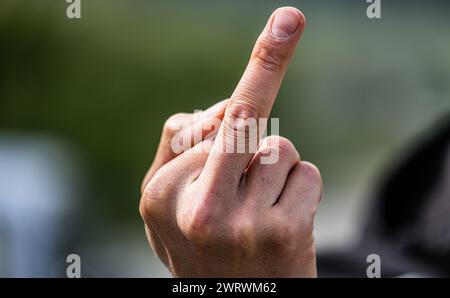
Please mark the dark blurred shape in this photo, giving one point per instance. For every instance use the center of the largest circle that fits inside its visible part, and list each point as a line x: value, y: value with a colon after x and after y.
x: 409, y: 223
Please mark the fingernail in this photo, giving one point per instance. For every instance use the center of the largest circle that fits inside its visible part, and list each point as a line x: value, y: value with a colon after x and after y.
x: 285, y: 22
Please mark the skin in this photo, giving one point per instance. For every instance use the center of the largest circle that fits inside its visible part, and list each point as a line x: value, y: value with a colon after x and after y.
x: 216, y: 214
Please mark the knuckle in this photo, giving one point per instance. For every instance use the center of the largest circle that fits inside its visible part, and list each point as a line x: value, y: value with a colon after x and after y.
x: 154, y: 193
x: 146, y: 208
x: 283, y: 146
x: 143, y: 210
x: 156, y: 188
x: 244, y: 105
x: 311, y: 170
x: 195, y: 226
x: 195, y: 221
x: 174, y: 123
x: 269, y: 54
x: 241, y: 121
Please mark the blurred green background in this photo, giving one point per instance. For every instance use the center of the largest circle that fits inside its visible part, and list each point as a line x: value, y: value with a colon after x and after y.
x: 357, y: 93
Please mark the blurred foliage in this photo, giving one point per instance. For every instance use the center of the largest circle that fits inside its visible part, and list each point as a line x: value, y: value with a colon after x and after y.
x: 106, y: 83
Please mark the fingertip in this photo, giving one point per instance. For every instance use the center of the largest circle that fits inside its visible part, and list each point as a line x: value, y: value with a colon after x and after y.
x: 286, y: 21
x: 300, y: 14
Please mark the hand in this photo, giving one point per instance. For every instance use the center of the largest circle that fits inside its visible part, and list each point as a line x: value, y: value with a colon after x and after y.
x: 217, y: 214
